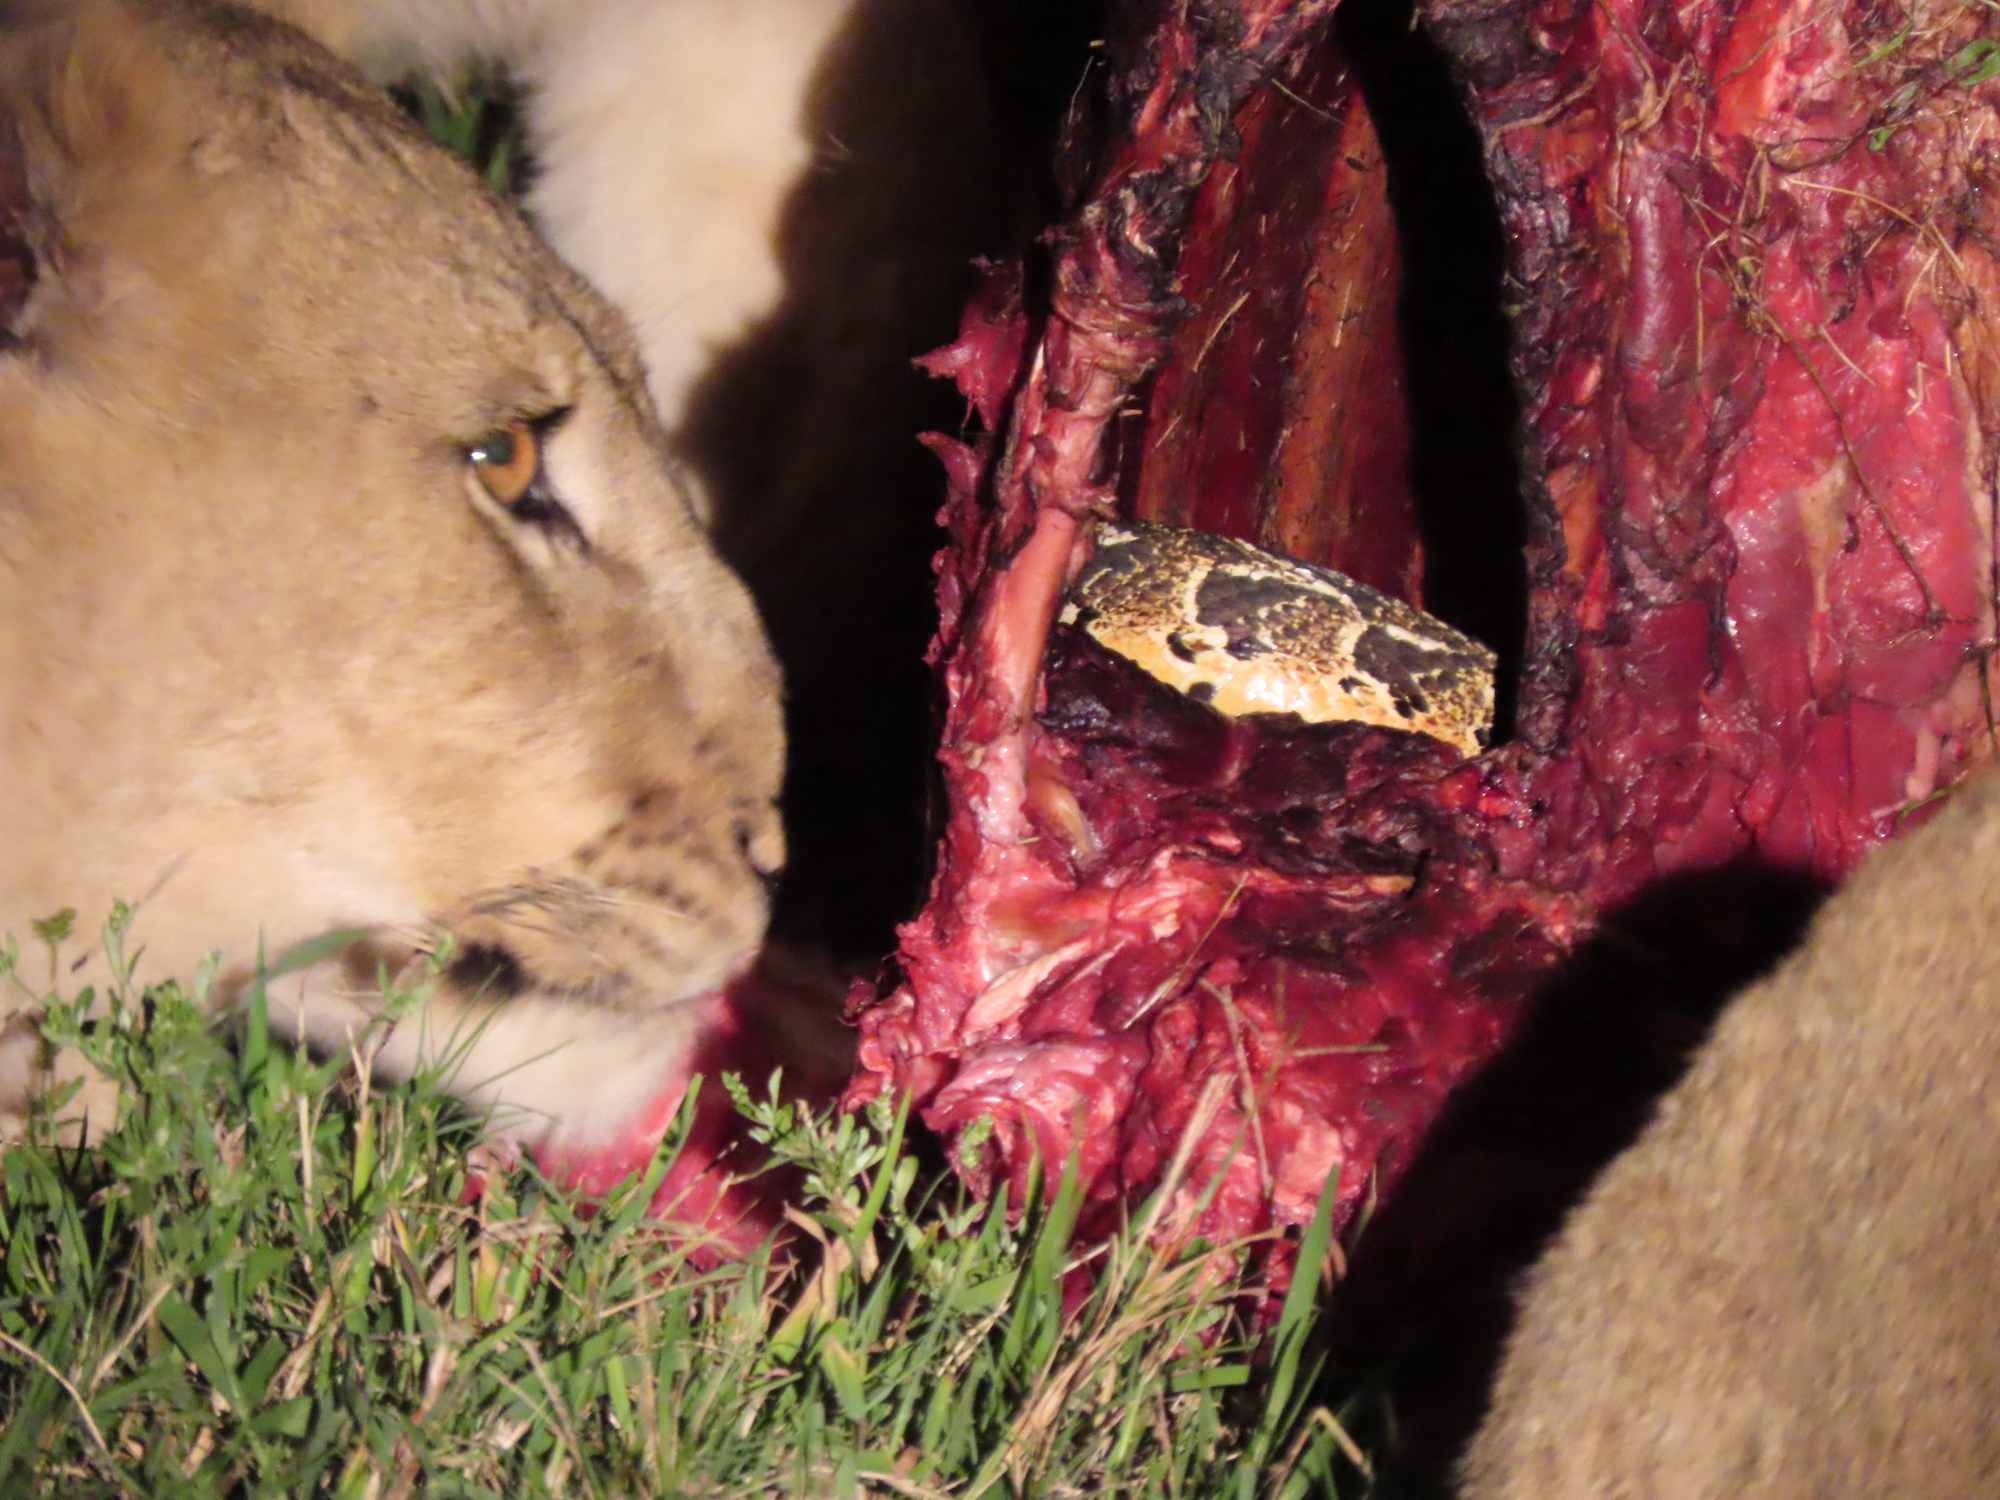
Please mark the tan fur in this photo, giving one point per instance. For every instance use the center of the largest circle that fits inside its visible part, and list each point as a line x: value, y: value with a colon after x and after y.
x: 785, y: 197
x: 676, y: 142
x: 668, y: 136
x: 1790, y: 1286
x: 271, y: 662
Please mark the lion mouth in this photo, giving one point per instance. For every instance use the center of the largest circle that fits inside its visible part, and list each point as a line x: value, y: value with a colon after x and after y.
x: 488, y: 970
x: 598, y: 945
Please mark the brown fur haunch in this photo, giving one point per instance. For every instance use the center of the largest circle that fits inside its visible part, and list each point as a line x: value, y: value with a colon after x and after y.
x: 1787, y: 1287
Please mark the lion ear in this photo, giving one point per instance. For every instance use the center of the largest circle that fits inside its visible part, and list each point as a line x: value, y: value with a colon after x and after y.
x: 93, y: 93
x: 89, y: 112
x: 26, y: 30
x: 17, y: 252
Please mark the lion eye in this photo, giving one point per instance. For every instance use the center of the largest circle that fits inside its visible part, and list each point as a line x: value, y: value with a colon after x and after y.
x: 507, y: 461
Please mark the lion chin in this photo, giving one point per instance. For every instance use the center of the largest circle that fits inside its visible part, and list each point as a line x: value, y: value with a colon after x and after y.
x: 351, y: 585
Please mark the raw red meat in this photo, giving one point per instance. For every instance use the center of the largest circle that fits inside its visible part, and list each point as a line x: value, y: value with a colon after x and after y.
x: 1753, y: 243
x: 720, y: 1190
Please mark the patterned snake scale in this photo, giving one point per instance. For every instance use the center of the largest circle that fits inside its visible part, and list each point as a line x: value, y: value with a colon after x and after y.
x: 1247, y: 632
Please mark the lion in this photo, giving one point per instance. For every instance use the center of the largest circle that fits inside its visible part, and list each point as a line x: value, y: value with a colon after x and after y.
x: 673, y: 139
x: 351, y: 581
x: 785, y: 197
x: 1788, y: 1286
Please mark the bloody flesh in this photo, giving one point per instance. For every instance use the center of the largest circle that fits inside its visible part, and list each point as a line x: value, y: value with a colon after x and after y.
x: 1753, y: 246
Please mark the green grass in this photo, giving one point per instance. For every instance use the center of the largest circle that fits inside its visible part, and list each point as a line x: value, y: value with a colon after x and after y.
x: 476, y: 116
x: 267, y: 1280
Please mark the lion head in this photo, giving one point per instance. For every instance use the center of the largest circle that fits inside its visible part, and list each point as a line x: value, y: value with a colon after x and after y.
x: 349, y: 582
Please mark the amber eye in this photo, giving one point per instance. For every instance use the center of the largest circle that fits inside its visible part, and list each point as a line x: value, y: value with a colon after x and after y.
x: 507, y: 461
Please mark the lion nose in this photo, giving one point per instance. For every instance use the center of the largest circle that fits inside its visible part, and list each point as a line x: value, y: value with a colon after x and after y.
x: 762, y: 841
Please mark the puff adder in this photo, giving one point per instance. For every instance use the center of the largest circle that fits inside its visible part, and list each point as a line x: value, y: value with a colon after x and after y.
x: 1248, y: 632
